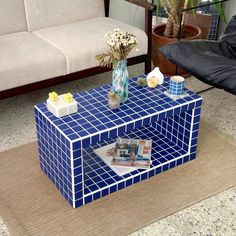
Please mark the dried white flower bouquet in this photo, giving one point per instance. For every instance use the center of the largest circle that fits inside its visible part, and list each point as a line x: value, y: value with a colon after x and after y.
x: 120, y: 45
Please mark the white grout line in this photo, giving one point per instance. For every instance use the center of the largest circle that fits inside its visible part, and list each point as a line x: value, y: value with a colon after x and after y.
x: 133, y: 121
x: 52, y: 123
x: 138, y: 174
x: 117, y: 127
x: 72, y: 173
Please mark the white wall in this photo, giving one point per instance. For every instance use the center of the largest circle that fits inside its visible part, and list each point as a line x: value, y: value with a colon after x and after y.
x: 128, y: 13
x: 230, y: 10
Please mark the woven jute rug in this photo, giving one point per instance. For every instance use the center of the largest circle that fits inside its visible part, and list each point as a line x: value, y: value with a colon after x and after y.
x: 30, y: 204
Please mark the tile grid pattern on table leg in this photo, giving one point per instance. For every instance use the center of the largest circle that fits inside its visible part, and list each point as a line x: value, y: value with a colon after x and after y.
x: 100, y: 180
x: 55, y: 156
x: 148, y: 113
x: 182, y: 129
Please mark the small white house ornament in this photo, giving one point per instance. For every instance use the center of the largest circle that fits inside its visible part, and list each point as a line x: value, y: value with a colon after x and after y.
x: 61, y: 105
x: 154, y: 78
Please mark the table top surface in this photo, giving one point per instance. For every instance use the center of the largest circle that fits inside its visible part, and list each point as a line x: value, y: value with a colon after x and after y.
x: 95, y: 116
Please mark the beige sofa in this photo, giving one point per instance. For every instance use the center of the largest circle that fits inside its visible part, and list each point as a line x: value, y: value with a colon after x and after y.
x: 44, y: 39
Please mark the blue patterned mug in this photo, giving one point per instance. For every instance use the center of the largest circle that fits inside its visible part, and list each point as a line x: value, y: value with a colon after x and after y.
x: 176, y: 85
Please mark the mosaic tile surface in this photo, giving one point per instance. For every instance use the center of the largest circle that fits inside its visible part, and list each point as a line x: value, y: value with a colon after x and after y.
x: 66, y: 144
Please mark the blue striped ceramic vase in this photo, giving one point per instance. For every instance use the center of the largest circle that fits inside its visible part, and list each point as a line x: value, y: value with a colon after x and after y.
x: 120, y: 79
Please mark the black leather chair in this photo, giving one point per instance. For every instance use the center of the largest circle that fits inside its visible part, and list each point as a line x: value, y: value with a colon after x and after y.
x: 213, y: 62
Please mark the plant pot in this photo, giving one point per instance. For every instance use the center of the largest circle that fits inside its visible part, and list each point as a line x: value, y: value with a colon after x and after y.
x: 190, y: 32
x: 203, y: 21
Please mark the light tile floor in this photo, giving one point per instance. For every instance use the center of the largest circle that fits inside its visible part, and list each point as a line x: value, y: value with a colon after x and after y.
x: 213, y: 216
x: 3, y: 229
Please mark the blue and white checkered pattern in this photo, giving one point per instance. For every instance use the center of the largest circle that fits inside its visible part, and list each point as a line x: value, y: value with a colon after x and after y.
x: 66, y: 144
x: 214, y: 26
x: 176, y: 88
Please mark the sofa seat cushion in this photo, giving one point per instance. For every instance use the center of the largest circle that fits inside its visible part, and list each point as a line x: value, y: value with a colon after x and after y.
x: 82, y: 41
x: 25, y: 58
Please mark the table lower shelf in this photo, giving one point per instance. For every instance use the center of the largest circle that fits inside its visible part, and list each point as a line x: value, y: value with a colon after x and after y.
x: 98, y: 176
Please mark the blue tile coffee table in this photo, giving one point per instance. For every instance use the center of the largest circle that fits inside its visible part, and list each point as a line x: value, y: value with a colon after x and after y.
x: 66, y: 144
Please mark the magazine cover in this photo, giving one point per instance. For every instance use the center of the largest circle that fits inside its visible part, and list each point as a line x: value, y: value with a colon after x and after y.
x: 132, y: 152
x: 106, y: 154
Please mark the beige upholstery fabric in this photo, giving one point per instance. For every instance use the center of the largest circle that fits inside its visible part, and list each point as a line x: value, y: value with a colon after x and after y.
x: 47, y: 13
x: 25, y: 58
x: 82, y: 41
x: 12, y: 16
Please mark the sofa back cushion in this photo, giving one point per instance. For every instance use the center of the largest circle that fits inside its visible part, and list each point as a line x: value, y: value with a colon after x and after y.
x: 47, y: 13
x: 12, y: 16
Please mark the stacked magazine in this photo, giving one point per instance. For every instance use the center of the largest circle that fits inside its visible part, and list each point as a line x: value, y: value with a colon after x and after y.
x: 126, y: 155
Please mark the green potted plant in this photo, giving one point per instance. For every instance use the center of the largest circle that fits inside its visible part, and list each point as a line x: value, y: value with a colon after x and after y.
x: 169, y: 32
